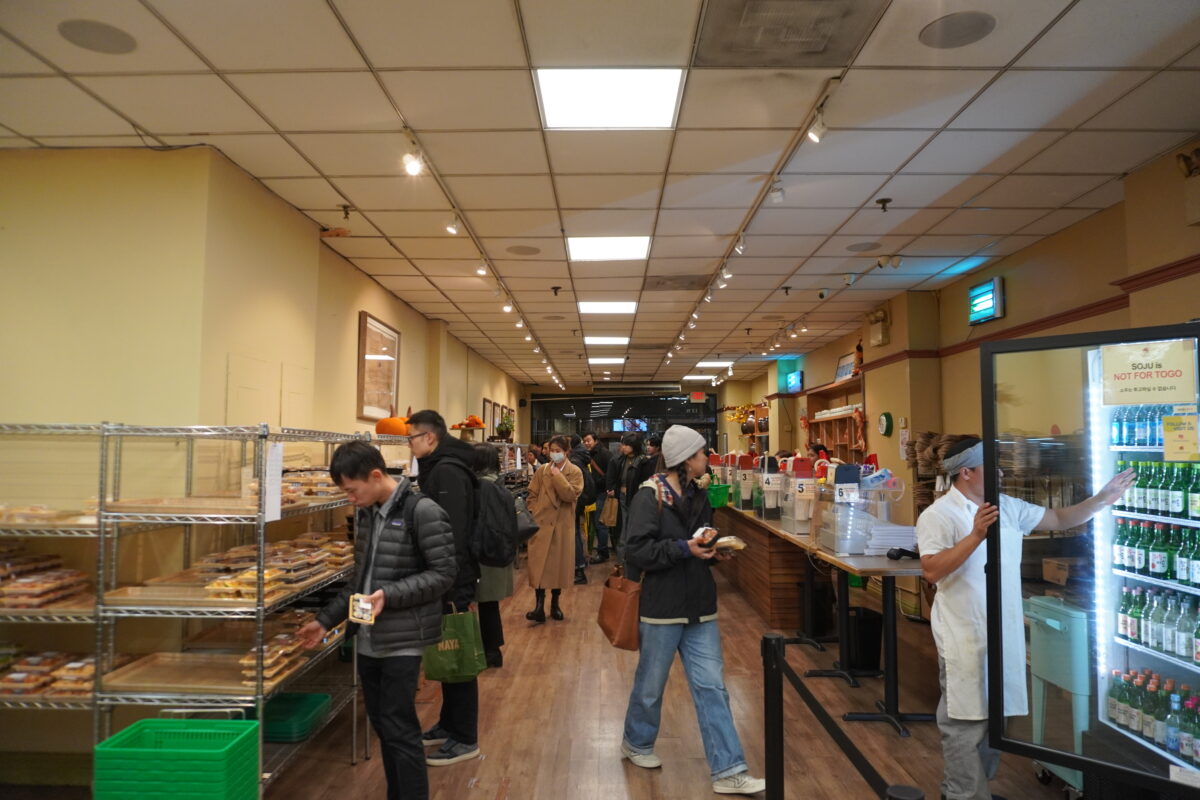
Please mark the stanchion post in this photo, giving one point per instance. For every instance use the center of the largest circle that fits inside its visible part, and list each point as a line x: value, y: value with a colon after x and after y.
x: 773, y: 656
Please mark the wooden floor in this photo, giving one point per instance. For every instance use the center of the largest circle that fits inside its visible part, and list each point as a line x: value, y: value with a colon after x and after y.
x: 551, y: 720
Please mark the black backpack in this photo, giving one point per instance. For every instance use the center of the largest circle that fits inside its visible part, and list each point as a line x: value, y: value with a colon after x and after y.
x: 494, y: 537
x: 588, y: 496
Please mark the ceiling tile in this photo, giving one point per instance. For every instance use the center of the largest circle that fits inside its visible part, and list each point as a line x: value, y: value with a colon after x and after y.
x: 1095, y: 152
x: 514, y: 223
x: 319, y: 101
x: 588, y: 152
x: 464, y: 99
x: 1168, y: 101
x: 751, y: 98
x: 687, y: 246
x: 416, y: 33
x: 412, y: 223
x: 1037, y: 191
x: 314, y: 39
x: 394, y: 194
x: 986, y: 221
x: 608, y: 269
x: 711, y: 191
x: 440, y: 247
x: 385, y: 266
x: 979, y: 151
x: 617, y: 33
x: 417, y: 299
x: 828, y: 191
x: 455, y: 268
x: 885, y: 280
x: 178, y: 103
x: 157, y: 49
x: 839, y: 245
x: 527, y: 249
x: 55, y: 106
x: 913, y: 221
x: 872, y: 98
x: 1011, y: 244
x: 362, y: 246
x: 682, y: 266
x: 405, y: 283
x: 743, y: 265
x: 608, y: 222
x: 496, y: 192
x: 946, y: 245
x: 894, y: 42
x: 15, y: 61
x: 16, y: 143
x: 262, y: 155
x: 823, y: 265
x: 357, y: 224
x: 699, y: 221
x: 93, y: 141
x: 934, y: 191
x: 1103, y: 197
x: 1046, y: 98
x: 1115, y: 33
x: 857, y: 151
x: 608, y: 191
x: 467, y: 288
x: 305, y: 192
x: 728, y: 151
x: 355, y: 153
x: 1055, y: 221
x: 533, y: 269
x: 801, y: 221
x: 795, y: 247
x: 491, y: 153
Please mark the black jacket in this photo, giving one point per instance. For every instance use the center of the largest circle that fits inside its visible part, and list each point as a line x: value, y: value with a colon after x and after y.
x: 677, y: 586
x: 602, y: 458
x: 413, y: 565
x: 642, y: 472
x: 581, y: 457
x: 446, y: 476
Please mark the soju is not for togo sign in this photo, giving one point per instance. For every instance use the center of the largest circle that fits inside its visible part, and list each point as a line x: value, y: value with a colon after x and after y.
x: 1149, y: 372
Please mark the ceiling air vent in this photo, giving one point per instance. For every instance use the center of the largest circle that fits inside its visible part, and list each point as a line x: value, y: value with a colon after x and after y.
x: 785, y: 33
x: 676, y: 283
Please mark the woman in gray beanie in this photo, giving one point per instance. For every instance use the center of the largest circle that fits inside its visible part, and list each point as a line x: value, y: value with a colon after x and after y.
x: 679, y: 613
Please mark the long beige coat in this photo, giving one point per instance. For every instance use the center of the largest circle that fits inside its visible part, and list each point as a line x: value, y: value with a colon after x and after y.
x: 552, y: 496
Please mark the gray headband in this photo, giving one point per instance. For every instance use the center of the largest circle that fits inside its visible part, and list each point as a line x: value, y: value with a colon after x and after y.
x: 967, y: 459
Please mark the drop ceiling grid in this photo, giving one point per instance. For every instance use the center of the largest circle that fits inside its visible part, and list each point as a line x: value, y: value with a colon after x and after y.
x: 455, y: 61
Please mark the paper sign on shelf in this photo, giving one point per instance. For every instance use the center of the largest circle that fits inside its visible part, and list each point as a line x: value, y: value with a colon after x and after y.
x: 1181, y: 438
x: 272, y: 483
x: 1149, y: 372
x: 845, y: 493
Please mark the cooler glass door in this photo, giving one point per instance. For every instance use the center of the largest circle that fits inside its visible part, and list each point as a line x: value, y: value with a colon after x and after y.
x: 1108, y: 603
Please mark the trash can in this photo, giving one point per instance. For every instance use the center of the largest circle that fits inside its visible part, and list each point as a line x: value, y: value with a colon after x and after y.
x: 864, y: 639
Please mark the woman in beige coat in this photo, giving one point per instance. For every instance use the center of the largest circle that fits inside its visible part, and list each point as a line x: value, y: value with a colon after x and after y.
x: 552, y: 494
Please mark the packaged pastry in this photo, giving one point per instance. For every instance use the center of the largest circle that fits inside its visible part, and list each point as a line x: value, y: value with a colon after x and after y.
x: 280, y: 672
x: 70, y: 689
x: 727, y: 544
x: 83, y: 669
x: 55, y: 598
x: 44, y: 582
x: 312, y: 539
x: 41, y: 663
x: 249, y: 578
x: 16, y: 682
x: 34, y: 513
x: 20, y: 565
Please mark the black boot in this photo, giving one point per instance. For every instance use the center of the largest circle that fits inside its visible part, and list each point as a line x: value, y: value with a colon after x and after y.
x: 580, y: 576
x: 555, y: 611
x: 538, y: 614
x: 600, y: 557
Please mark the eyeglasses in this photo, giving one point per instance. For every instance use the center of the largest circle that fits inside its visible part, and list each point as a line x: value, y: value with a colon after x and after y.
x: 412, y: 436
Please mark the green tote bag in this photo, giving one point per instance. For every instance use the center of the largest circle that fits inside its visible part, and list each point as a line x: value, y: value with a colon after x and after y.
x: 458, y: 657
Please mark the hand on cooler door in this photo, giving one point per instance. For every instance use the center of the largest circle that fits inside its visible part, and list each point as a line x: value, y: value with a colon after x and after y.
x: 984, y: 518
x: 1114, y: 489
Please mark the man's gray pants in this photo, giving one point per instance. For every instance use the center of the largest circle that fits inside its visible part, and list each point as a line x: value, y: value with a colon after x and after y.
x: 970, y: 762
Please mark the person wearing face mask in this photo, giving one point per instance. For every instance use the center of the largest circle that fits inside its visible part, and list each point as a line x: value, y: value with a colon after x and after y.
x: 553, y: 492
x: 950, y: 535
x: 669, y: 543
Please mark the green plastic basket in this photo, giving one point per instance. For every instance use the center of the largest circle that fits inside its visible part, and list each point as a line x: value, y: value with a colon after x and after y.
x: 718, y: 495
x: 179, y: 759
x: 291, y: 717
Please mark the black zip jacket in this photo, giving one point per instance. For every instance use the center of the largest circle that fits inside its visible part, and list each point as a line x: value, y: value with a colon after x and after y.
x: 445, y: 475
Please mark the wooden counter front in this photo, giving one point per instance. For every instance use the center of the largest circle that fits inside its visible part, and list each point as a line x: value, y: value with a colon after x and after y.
x: 769, y: 573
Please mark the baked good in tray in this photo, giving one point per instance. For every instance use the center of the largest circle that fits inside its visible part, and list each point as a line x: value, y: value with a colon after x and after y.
x: 24, y: 683
x: 41, y: 663
x: 39, y: 583
x: 729, y: 544
x: 281, y: 670
x: 13, y: 566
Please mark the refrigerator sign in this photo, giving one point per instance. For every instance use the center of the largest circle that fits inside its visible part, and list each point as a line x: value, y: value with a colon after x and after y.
x: 1149, y: 372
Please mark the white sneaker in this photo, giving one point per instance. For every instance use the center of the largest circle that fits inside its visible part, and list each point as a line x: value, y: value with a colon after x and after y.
x: 643, y: 760
x: 741, y: 783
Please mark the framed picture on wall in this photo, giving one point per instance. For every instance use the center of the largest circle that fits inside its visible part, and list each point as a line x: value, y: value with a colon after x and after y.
x: 845, y: 368
x: 487, y: 418
x: 494, y: 420
x: 378, y: 367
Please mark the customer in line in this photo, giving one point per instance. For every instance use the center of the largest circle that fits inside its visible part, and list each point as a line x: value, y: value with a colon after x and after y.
x: 553, y: 492
x: 949, y: 535
x: 445, y: 473
x: 580, y: 457
x: 404, y: 562
x: 495, y: 583
x: 654, y: 452
x: 679, y: 614
x: 626, y: 472
x: 598, y: 470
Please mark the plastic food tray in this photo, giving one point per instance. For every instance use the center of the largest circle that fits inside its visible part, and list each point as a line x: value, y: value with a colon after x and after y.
x: 291, y: 717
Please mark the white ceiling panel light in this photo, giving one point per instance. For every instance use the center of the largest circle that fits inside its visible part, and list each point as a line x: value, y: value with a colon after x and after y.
x: 608, y: 307
x: 609, y: 98
x: 698, y: 377
x: 606, y: 360
x: 714, y: 364
x: 607, y: 248
x: 606, y: 340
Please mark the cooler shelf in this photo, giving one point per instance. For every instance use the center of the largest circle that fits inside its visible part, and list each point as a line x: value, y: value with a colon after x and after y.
x: 1170, y: 657
x: 1179, y: 587
x: 1187, y: 523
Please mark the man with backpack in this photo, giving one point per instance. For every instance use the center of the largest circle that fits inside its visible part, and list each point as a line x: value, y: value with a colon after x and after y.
x: 600, y: 459
x: 446, y: 475
x: 580, y: 457
x: 494, y: 546
x: 404, y: 563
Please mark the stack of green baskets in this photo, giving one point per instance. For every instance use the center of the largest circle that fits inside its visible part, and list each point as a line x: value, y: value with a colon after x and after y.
x: 291, y: 717
x: 179, y: 759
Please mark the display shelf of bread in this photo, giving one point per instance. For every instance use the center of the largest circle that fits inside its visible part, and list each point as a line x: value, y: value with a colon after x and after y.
x: 37, y: 584
x: 49, y: 675
x: 40, y: 520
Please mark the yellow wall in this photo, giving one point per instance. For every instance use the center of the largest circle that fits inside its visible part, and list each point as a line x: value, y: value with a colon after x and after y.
x: 1155, y: 229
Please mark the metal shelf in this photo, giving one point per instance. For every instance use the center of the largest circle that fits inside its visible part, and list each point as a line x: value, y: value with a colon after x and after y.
x: 1170, y: 657
x: 300, y: 511
x: 168, y: 520
x: 189, y: 431
x: 51, y: 533
x: 384, y: 438
x: 48, y: 703
x: 60, y: 617
x: 67, y: 429
x: 1149, y: 745
x: 278, y: 755
x: 1179, y: 587
x: 239, y: 612
x: 1121, y: 448
x: 1189, y: 523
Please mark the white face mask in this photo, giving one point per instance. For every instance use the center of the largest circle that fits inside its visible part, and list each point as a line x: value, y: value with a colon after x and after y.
x: 557, y: 458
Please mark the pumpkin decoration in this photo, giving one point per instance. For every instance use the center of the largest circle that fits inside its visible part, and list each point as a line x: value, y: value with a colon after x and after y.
x: 393, y: 425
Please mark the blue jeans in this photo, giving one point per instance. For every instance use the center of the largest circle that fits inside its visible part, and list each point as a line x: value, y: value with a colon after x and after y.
x: 699, y: 646
x: 601, y: 528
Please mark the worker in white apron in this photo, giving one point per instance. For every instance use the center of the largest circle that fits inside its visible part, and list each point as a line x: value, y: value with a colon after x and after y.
x: 949, y: 535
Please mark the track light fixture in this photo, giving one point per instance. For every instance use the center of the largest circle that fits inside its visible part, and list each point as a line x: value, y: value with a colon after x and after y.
x: 850, y: 278
x: 740, y: 247
x: 722, y: 283
x: 818, y: 129
x: 804, y: 324
x: 692, y: 325
x: 520, y: 323
x: 528, y: 338
x: 792, y: 333
x: 537, y: 349
x: 481, y: 269
x: 452, y: 225
x: 708, y: 296
x: 413, y: 164
x: 695, y: 315
x: 507, y: 307
x: 775, y: 193
x: 726, y: 273
x: 731, y: 372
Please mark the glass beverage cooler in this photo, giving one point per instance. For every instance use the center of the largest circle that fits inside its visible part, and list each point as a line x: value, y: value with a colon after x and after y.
x: 1112, y: 606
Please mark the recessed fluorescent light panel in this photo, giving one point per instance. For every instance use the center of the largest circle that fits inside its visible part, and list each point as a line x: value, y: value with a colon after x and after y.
x: 607, y: 248
x: 606, y: 361
x: 704, y: 364
x: 609, y: 98
x: 606, y: 340
x: 698, y: 377
x: 623, y: 307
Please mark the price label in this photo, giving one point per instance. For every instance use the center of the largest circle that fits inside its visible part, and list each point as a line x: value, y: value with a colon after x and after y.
x: 845, y: 493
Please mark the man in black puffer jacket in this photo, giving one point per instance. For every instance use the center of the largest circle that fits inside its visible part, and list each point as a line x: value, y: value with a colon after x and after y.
x: 446, y: 475
x: 404, y: 562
